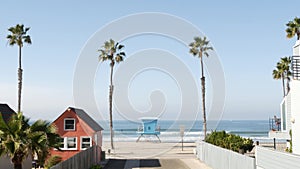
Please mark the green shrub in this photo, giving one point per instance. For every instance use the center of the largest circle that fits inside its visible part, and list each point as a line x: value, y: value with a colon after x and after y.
x: 52, y: 161
x: 290, y: 150
x: 229, y: 141
x: 96, y: 167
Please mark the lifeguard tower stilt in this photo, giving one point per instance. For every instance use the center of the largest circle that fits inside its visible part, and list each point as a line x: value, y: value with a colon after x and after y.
x: 149, y: 127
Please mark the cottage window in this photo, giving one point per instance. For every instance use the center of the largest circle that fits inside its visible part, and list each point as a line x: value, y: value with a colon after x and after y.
x: 86, y: 142
x: 69, y: 124
x: 71, y: 143
x: 61, y: 143
x: 68, y: 143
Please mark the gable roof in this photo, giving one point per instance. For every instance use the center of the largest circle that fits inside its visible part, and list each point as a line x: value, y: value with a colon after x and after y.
x: 6, y: 112
x: 86, y: 118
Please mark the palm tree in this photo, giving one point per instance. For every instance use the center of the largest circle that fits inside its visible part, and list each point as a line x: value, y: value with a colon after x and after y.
x: 283, y: 72
x: 293, y: 28
x: 112, y: 52
x: 43, y: 137
x: 278, y: 73
x: 19, y: 36
x: 285, y: 63
x: 20, y: 140
x: 200, y: 47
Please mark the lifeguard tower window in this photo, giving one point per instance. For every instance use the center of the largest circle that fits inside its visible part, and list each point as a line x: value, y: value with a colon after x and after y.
x: 150, y: 127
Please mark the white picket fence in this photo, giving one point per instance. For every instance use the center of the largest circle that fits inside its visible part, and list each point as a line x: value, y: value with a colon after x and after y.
x: 272, y: 159
x: 83, y: 160
x: 220, y: 158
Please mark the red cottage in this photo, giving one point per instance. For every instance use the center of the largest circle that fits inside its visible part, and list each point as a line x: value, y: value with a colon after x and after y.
x: 78, y: 131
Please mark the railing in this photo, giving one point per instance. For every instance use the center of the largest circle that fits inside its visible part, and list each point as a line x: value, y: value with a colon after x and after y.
x: 83, y: 160
x: 275, y: 124
x: 296, y: 67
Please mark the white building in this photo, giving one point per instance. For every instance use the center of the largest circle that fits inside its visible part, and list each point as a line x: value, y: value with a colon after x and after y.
x: 290, y: 106
x: 295, y: 99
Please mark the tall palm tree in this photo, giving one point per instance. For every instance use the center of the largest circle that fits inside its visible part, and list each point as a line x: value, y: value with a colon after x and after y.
x: 278, y: 73
x: 200, y: 47
x: 20, y: 140
x: 293, y: 28
x: 18, y: 35
x: 285, y: 63
x: 283, y: 72
x: 113, y: 53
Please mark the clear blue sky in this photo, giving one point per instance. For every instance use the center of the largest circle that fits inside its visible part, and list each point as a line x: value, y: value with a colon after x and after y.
x: 249, y: 38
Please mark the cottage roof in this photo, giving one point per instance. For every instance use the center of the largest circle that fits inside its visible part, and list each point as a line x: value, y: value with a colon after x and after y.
x: 86, y: 118
x: 6, y: 112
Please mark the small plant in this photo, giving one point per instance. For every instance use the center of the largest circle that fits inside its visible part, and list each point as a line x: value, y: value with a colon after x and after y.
x: 290, y: 149
x: 230, y: 141
x: 52, y: 161
x: 96, y: 167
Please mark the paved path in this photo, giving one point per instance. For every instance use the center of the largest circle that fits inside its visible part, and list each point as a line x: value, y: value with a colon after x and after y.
x: 154, y: 164
x: 151, y: 155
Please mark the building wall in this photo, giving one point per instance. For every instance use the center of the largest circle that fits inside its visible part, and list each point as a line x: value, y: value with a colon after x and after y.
x: 286, y: 105
x: 81, y: 129
x: 295, y: 107
x: 99, y: 138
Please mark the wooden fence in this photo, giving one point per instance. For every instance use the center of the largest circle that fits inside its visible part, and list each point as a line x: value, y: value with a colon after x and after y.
x: 83, y: 160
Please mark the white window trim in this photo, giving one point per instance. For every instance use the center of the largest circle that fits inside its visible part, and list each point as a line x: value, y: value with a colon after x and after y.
x: 66, y: 144
x: 81, y: 142
x: 65, y: 124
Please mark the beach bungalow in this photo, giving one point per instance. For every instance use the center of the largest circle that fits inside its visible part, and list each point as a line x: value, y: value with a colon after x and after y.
x: 5, y: 162
x: 78, y: 131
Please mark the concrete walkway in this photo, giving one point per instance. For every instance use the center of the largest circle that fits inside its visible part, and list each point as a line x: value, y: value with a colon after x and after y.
x: 155, y: 164
x: 149, y: 155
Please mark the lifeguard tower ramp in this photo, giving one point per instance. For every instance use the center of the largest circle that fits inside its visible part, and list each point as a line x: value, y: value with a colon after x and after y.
x: 149, y: 127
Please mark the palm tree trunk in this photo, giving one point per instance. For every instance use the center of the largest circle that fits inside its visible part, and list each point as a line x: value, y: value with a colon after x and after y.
x: 20, y: 72
x: 17, y: 165
x: 111, y: 88
x: 283, y: 84
x: 203, y: 97
x: 288, y: 86
x: 17, y: 161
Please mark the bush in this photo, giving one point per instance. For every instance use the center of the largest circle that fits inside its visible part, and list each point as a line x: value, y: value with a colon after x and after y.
x: 229, y: 141
x: 96, y: 167
x: 52, y: 161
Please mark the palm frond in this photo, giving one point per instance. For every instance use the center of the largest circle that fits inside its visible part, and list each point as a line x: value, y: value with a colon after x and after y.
x: 293, y: 28
x: 119, y: 58
x: 200, y: 46
x: 122, y: 54
x: 111, y: 51
x: 120, y: 47
x: 18, y: 35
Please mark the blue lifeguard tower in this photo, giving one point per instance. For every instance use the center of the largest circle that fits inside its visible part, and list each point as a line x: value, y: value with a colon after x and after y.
x: 149, y: 127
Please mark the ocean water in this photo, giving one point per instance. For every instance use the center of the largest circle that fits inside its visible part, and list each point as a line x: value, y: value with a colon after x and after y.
x: 170, y: 130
